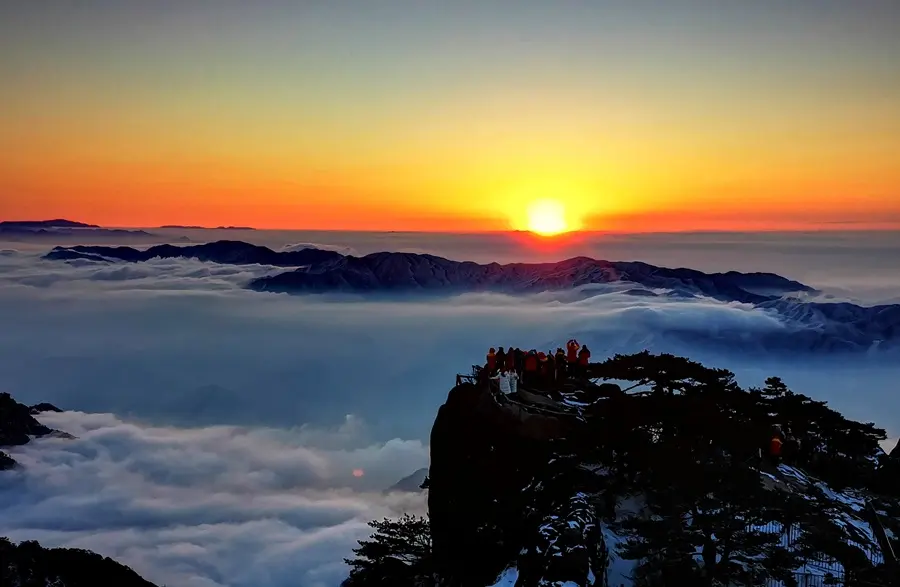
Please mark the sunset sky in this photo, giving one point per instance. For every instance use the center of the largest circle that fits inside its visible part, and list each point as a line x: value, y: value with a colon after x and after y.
x: 427, y: 115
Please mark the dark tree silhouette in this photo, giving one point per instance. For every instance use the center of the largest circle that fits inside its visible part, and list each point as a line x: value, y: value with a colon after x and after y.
x: 398, y: 554
x: 28, y: 564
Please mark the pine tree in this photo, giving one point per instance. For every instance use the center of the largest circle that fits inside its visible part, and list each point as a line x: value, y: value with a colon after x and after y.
x: 397, y: 554
x: 707, y: 519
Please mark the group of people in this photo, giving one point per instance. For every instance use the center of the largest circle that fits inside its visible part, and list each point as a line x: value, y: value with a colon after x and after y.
x: 782, y: 446
x: 781, y: 436
x: 534, y: 368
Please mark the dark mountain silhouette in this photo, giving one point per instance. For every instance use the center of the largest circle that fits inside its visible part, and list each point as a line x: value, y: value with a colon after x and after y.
x: 411, y: 483
x: 43, y: 407
x: 329, y: 271
x: 28, y: 564
x: 400, y: 272
x: 226, y: 252
x: 36, y: 224
x: 66, y: 230
x: 183, y: 227
x: 17, y: 426
x: 667, y: 483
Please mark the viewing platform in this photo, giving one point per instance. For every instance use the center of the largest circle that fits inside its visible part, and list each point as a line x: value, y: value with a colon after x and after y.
x: 569, y: 396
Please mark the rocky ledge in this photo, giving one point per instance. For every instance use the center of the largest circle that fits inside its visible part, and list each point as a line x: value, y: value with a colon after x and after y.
x: 18, y: 426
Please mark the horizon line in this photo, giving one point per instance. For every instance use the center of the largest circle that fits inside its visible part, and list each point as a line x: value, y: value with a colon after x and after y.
x: 838, y: 226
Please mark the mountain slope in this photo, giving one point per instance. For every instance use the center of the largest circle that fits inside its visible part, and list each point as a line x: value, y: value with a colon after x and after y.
x: 397, y: 272
x: 411, y: 483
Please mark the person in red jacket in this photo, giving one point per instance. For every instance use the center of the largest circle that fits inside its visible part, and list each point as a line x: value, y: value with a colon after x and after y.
x: 531, y: 366
x: 775, y: 448
x: 491, y: 362
x: 510, y: 362
x: 572, y: 351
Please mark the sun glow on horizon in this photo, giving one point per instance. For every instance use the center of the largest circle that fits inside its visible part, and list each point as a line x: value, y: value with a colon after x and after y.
x: 547, y: 218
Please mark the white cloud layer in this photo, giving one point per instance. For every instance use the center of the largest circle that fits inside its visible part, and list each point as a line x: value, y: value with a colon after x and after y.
x: 215, y: 506
x: 255, y: 408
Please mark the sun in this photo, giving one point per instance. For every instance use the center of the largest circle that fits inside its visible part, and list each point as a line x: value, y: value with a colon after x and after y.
x: 547, y: 218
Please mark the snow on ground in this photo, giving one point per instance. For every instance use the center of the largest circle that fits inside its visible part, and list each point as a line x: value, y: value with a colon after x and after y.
x: 619, y: 570
x: 507, y: 578
x: 849, y: 510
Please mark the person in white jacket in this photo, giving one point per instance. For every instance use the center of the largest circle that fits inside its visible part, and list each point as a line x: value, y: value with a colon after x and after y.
x: 503, y: 379
x: 513, y: 382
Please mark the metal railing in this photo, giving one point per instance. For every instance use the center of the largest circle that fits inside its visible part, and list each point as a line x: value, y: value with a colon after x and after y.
x: 790, y: 535
x: 807, y: 580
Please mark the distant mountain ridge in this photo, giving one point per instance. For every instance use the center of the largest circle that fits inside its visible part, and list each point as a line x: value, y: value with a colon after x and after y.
x: 35, y: 224
x: 412, y: 271
x: 61, y: 230
x: 412, y: 483
x: 194, y: 227
x: 225, y: 252
x: 328, y: 271
x: 809, y: 326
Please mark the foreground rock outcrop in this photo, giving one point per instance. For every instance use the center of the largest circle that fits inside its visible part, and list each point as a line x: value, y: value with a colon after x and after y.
x: 28, y: 564
x: 667, y: 484
x: 18, y: 426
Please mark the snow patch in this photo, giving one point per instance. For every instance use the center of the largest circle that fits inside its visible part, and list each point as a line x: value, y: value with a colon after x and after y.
x: 507, y: 578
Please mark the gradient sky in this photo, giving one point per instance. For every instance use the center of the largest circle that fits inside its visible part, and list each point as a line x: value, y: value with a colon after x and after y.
x: 423, y: 115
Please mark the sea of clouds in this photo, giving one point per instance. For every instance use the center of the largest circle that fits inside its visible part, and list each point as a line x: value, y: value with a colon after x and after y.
x: 203, y: 507
x: 234, y: 438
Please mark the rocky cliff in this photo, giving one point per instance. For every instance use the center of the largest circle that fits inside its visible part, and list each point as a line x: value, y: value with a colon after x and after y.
x: 666, y: 484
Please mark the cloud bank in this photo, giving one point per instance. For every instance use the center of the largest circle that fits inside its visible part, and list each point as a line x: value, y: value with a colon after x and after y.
x: 181, y: 342
x: 811, y: 322
x: 216, y: 506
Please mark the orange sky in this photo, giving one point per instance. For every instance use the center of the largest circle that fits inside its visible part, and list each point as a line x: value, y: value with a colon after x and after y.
x: 334, y: 119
